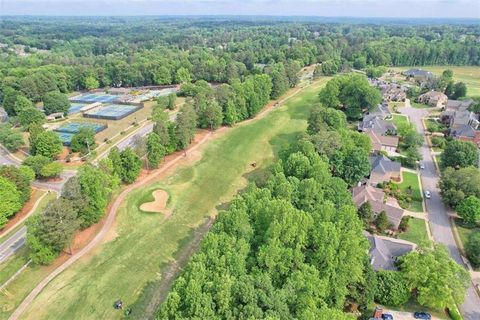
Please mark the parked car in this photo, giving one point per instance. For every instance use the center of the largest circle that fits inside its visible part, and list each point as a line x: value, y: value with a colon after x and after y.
x: 422, y: 166
x: 428, y: 195
x: 387, y: 316
x: 422, y: 315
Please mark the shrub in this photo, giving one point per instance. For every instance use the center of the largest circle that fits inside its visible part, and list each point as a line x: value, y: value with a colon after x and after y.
x: 472, y: 248
x: 392, y: 289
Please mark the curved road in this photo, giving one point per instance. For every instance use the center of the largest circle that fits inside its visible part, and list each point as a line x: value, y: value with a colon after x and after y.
x: 437, y: 212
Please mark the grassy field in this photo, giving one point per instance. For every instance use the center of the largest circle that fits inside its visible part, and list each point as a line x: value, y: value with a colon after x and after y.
x: 410, y: 179
x: 130, y: 266
x: 416, y: 233
x: 399, y: 119
x: 470, y: 75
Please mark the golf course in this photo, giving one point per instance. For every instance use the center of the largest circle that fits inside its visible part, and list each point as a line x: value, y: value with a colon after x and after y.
x: 131, y: 262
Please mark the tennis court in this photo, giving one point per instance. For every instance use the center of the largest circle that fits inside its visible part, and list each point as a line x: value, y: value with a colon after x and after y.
x: 95, y: 97
x: 75, y: 107
x: 74, y: 127
x: 65, y: 137
x: 112, y: 111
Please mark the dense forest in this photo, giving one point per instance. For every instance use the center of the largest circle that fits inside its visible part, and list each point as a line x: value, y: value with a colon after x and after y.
x: 40, y: 55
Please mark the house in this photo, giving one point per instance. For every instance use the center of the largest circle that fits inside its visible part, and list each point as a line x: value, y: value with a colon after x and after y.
x: 383, y: 169
x: 393, y: 92
x: 3, y: 115
x: 418, y: 74
x: 462, y: 118
x: 388, y: 144
x: 433, y: 98
x: 458, y: 105
x: 376, y: 123
x: 384, y: 252
x: 376, y: 198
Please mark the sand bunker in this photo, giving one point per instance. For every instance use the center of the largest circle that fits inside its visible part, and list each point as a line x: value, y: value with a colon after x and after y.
x: 158, y: 205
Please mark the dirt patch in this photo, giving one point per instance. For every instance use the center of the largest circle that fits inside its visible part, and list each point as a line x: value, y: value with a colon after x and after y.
x: 159, y: 203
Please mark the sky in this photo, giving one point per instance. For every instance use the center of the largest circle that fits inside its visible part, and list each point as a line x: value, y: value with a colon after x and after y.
x: 323, y: 8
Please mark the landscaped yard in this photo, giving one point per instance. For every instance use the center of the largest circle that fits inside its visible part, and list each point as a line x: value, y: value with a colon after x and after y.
x: 470, y: 75
x: 130, y: 266
x: 399, y: 119
x: 411, y: 186
x: 416, y: 233
x: 464, y: 231
x: 434, y: 125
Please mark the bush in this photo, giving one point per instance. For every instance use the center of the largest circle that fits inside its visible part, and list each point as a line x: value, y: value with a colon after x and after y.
x: 438, y: 142
x: 392, y: 289
x: 454, y: 313
x: 472, y: 248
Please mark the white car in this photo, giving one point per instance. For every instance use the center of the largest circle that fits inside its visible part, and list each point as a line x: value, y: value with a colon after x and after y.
x: 422, y: 166
x: 428, y: 195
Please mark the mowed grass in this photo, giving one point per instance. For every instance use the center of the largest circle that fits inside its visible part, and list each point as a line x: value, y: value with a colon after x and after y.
x: 128, y: 266
x: 464, y: 231
x: 416, y: 233
x: 470, y: 75
x: 411, y: 186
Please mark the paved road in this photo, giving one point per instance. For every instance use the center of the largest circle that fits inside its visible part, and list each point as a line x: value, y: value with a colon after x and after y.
x: 13, y: 244
x: 437, y: 212
x: 6, y: 158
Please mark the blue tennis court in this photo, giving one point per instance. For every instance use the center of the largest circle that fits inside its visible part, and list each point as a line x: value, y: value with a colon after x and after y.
x: 75, y: 107
x: 95, y: 97
x: 74, y: 127
x: 112, y: 111
x: 66, y: 138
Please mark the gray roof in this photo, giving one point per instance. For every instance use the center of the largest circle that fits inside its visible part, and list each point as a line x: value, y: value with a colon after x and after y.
x: 464, y: 117
x: 382, y: 164
x: 463, y: 130
x: 384, y: 252
x: 375, y: 122
x: 459, y: 104
x: 418, y: 72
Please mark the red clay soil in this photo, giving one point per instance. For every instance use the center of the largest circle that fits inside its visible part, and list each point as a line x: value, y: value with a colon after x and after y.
x: 20, y: 214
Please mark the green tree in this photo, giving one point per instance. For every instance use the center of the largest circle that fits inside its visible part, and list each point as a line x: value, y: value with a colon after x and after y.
x: 456, y: 185
x: 21, y: 178
x: 459, y: 90
x: 155, y: 150
x: 172, y: 98
x: 375, y: 72
x: 11, y: 200
x: 10, y: 139
x: 91, y: 83
x: 365, y: 213
x: 186, y: 123
x: 330, y: 67
x: 459, y: 154
x: 435, y: 276
x: 472, y: 248
x: 209, y: 114
x: 51, y: 170
x: 54, y: 102
x: 83, y: 141
x: 183, y: 75
x: 163, y: 76
x: 52, y: 231
x: 47, y: 144
x: 10, y: 96
x: 22, y: 103
x: 36, y: 163
x: 131, y: 164
x: 381, y: 222
x: 469, y: 210
x: 351, y: 164
x: 392, y: 289
x: 29, y: 116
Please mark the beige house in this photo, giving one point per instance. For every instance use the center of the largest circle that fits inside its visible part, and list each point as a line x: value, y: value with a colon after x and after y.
x: 383, y: 169
x: 380, y: 142
x: 376, y: 198
x: 433, y: 99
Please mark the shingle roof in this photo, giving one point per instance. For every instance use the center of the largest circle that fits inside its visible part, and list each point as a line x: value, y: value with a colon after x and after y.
x: 463, y: 130
x: 375, y: 122
x: 381, y: 164
x: 379, y: 140
x: 418, y: 72
x: 384, y: 252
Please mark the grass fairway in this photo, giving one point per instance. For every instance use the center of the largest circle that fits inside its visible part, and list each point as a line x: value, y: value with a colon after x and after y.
x: 416, y: 233
x: 470, y: 75
x: 128, y: 266
x: 410, y: 180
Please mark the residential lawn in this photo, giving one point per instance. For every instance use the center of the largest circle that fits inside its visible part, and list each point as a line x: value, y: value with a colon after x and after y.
x: 130, y: 266
x: 399, y: 119
x: 470, y: 75
x: 464, y: 231
x: 416, y: 233
x: 438, y: 159
x: 435, y: 126
x: 410, y: 179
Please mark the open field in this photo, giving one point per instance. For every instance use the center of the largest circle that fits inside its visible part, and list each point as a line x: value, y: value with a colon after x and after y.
x: 410, y: 180
x: 416, y: 233
x: 470, y: 75
x: 129, y: 266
